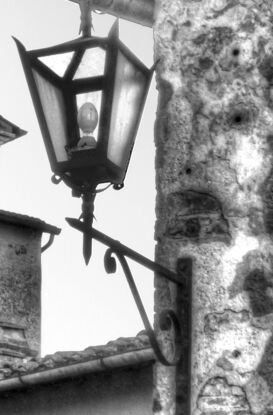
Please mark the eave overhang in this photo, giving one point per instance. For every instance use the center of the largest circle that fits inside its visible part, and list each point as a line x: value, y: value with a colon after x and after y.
x: 9, y: 131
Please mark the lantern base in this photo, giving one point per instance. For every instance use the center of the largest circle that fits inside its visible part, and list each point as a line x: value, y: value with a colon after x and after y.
x: 81, y: 147
x: 86, y: 142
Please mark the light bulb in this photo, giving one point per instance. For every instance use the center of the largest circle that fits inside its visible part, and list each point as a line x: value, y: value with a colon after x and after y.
x: 88, y: 121
x: 88, y: 118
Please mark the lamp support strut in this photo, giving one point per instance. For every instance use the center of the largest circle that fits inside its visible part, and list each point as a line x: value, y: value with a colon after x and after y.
x: 168, y: 320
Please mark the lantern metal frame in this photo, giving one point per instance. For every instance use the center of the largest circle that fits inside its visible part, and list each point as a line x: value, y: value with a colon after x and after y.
x: 85, y: 168
x: 83, y: 172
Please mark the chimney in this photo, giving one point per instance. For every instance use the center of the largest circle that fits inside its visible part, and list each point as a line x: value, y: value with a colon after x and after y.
x: 20, y: 284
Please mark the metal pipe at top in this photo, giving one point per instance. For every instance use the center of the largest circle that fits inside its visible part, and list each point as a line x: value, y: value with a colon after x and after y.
x: 137, y: 11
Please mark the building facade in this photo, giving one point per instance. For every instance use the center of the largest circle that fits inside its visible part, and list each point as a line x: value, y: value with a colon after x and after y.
x: 214, y: 204
x: 214, y: 133
x: 113, y: 379
x: 20, y: 284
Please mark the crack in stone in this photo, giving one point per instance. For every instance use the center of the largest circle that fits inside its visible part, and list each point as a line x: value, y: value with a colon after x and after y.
x: 219, y: 395
x: 196, y: 216
x: 228, y: 318
x: 232, y: 169
x: 229, y: 5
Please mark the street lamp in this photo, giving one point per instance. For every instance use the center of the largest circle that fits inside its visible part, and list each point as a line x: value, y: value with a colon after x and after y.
x: 89, y: 96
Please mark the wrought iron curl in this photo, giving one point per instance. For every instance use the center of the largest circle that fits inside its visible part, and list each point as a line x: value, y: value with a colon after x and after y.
x: 110, y: 263
x: 168, y: 320
x: 56, y: 179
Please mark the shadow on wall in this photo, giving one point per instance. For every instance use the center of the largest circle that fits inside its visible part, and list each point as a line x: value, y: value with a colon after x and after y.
x: 254, y: 276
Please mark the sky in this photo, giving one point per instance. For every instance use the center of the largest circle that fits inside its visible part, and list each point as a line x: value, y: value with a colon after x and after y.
x: 81, y: 306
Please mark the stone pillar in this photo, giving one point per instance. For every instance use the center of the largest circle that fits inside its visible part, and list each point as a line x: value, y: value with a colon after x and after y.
x: 214, y: 138
x: 20, y: 284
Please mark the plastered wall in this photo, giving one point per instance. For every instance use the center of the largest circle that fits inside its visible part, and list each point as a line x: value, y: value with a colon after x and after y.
x: 214, y: 138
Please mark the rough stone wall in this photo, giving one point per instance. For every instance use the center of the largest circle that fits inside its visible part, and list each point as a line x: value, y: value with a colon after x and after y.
x: 20, y: 282
x: 214, y: 138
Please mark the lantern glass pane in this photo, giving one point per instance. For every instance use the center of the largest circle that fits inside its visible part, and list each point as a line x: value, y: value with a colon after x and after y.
x: 130, y: 88
x: 54, y: 111
x: 92, y: 63
x: 88, y: 105
x: 57, y: 63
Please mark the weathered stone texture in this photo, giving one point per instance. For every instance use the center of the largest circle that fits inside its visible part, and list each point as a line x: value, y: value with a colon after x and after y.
x: 20, y: 280
x: 214, y: 138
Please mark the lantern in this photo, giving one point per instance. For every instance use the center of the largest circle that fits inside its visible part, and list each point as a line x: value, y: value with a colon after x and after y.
x: 89, y: 95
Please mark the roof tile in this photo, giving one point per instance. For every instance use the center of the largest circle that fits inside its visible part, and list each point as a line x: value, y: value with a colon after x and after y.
x: 27, y: 221
x: 60, y: 359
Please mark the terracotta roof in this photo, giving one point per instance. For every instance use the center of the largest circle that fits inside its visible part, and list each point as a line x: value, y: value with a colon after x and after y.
x: 9, y: 131
x: 31, y: 365
x: 27, y: 221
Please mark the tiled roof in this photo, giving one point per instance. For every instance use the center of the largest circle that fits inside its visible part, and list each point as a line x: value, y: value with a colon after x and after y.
x: 31, y: 365
x: 9, y: 131
x: 27, y: 221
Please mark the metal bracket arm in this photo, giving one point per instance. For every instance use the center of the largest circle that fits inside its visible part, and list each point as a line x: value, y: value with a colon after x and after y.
x: 125, y: 250
x: 168, y: 320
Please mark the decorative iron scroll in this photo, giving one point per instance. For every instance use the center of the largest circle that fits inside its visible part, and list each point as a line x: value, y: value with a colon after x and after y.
x: 167, y: 318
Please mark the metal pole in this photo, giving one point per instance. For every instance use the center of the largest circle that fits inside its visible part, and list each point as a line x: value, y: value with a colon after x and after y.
x: 137, y: 11
x: 87, y: 216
